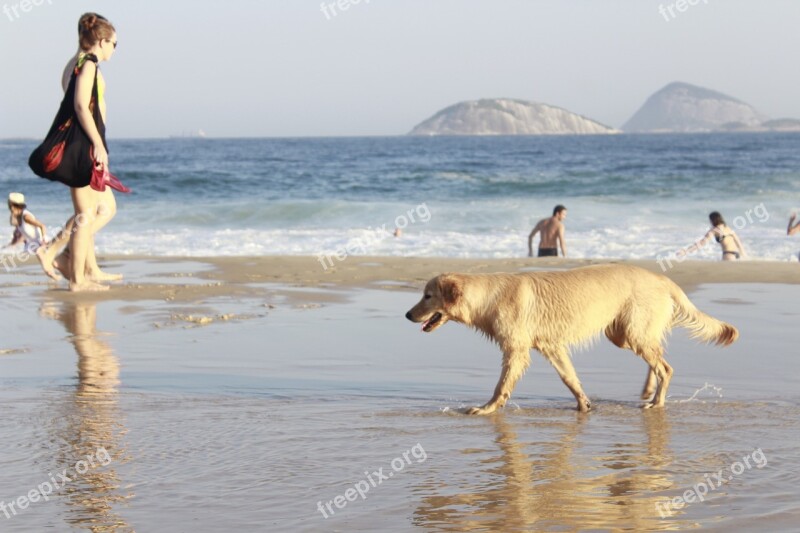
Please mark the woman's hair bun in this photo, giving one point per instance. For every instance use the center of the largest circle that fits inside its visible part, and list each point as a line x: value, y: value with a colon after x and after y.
x: 88, y: 21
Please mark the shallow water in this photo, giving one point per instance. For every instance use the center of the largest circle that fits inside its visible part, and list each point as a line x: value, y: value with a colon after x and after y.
x: 245, y: 425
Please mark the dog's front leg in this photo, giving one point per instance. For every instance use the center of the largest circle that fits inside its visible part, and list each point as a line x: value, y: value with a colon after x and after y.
x: 649, y: 385
x: 559, y: 358
x: 514, y: 364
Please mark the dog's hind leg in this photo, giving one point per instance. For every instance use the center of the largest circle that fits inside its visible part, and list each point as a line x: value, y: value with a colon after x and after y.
x: 515, y: 362
x: 559, y: 358
x: 662, y: 370
x: 649, y: 385
x: 617, y: 335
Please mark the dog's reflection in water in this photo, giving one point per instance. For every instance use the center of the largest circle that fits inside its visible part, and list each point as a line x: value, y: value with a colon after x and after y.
x: 562, y: 479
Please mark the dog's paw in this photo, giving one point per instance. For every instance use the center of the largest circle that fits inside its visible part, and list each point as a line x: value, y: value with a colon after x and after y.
x: 651, y: 405
x: 484, y: 410
x: 585, y: 406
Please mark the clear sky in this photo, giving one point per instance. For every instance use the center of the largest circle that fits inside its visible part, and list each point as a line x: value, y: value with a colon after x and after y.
x: 285, y: 68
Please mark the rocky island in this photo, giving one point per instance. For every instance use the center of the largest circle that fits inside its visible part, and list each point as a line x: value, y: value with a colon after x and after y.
x: 684, y: 108
x: 504, y: 116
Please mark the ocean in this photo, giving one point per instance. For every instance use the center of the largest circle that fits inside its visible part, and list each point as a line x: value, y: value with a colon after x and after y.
x: 628, y: 196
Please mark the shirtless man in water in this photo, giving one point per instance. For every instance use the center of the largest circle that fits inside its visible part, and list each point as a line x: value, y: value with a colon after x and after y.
x: 552, y: 231
x: 793, y: 228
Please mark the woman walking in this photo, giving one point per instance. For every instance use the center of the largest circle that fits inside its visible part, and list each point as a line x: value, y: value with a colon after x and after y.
x: 83, y: 103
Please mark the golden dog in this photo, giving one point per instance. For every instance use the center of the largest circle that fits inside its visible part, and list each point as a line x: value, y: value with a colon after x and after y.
x: 552, y: 312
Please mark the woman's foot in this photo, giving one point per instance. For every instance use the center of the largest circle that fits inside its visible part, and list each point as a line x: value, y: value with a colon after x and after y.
x: 52, y: 274
x: 42, y: 256
x: 63, y: 263
x: 87, y: 286
x: 99, y: 275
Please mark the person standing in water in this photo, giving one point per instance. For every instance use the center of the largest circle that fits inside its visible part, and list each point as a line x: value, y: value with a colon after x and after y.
x: 732, y: 248
x: 793, y: 228
x: 552, y: 234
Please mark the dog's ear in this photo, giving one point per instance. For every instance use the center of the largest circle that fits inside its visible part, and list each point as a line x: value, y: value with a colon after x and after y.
x: 450, y: 289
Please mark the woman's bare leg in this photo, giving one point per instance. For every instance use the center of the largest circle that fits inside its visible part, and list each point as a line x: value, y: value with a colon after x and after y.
x: 85, y: 203
x: 57, y: 253
x: 106, y: 209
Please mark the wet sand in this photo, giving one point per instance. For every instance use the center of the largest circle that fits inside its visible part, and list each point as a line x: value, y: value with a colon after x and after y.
x: 251, y: 393
x: 219, y: 276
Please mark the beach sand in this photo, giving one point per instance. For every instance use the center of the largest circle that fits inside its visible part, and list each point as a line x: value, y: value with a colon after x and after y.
x: 232, y: 275
x: 260, y: 394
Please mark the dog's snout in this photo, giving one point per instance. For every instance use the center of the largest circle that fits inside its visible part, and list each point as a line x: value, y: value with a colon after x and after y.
x: 408, y: 316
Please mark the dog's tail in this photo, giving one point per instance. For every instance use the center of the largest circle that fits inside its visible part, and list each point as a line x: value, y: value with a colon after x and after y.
x: 700, y: 325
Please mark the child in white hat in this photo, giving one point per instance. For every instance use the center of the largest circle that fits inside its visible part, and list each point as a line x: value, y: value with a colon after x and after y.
x: 30, y: 230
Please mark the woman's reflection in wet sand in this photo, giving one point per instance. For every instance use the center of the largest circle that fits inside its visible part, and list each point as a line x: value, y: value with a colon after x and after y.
x: 563, y: 481
x: 92, y: 421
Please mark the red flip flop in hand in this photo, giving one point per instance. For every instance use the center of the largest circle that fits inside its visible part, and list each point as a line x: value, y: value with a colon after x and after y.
x: 102, y: 177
